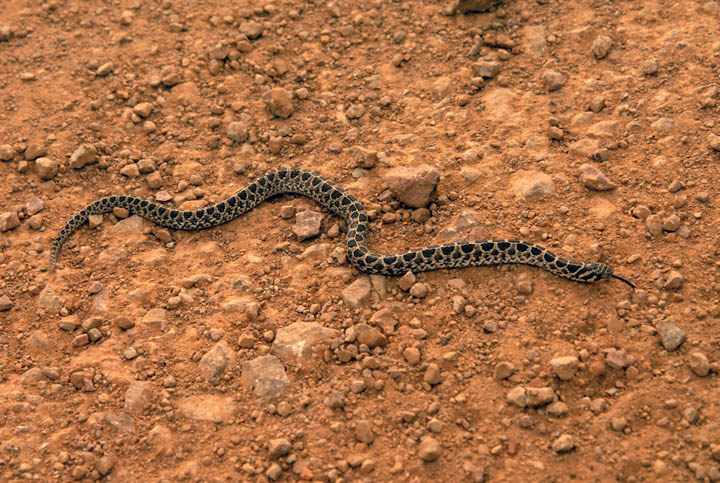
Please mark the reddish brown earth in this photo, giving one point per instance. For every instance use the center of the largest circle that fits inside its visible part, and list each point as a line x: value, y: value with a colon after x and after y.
x: 134, y: 360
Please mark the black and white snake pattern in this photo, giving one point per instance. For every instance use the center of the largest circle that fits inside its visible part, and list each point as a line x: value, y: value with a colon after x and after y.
x: 346, y: 206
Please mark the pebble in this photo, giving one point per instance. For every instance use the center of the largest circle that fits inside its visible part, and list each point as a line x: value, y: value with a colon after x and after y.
x: 699, y: 364
x: 673, y: 281
x: 558, y: 409
x: 84, y: 155
x: 358, y: 292
x: 663, y: 126
x: 713, y: 142
x: 650, y: 67
x: 671, y: 336
x: 419, y: 290
x: 216, y: 361
x: 618, y: 423
x: 266, y: 375
x: 251, y: 29
x: 9, y: 221
x: 671, y: 223
x: 413, y: 186
x: 364, y: 432
x: 432, y: 374
x: 5, y: 303
x: 34, y: 151
x: 653, y: 223
x: 467, y: 6
x: 616, y: 359
x: 274, y: 472
x: 46, y: 168
x: 295, y: 342
x: 277, y: 448
x: 307, y: 224
x: 169, y: 76
x: 238, y: 131
x: 594, y: 179
x: 137, y: 397
x: 279, y: 102
x: 364, y: 334
x: 565, y: 367
x: 487, y: 70
x: 601, y: 46
x: 130, y: 170
x: 429, y: 449
x: 503, y: 370
x: 532, y: 184
x: 553, y: 80
x: 7, y: 152
x: 411, y: 355
x: 563, y: 444
x: 143, y: 109
x: 105, y: 464
x: 105, y: 69
x: 407, y: 281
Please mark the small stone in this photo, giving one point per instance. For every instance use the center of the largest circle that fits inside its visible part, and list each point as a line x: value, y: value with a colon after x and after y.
x: 279, y: 102
x: 274, y: 472
x: 169, y: 76
x: 618, y: 423
x: 432, y: 374
x: 517, y: 396
x: 364, y: 432
x: 714, y: 141
x: 105, y: 69
x: 216, y: 361
x: 555, y: 133
x: 563, y: 444
x: 699, y: 363
x: 487, y: 70
x: 601, y: 46
x: 412, y: 355
x: 594, y: 179
x: 370, y: 336
x: 429, y: 449
x: 46, y: 168
x: 616, y: 359
x: 238, y: 132
x: 532, y: 184
x: 553, y: 80
x: 663, y: 126
x: 251, y: 29
x: 130, y: 170
x: 650, y: 67
x: 407, y: 281
x: 81, y: 340
x: 539, y: 396
x: 413, y: 186
x: 558, y: 409
x: 5, y: 303
x: 565, y: 367
x: 7, y: 152
x: 654, y: 225
x: 671, y: 223
x: 277, y: 448
x: 307, y: 224
x: 9, y: 220
x: 143, y: 109
x: 673, y: 281
x: 419, y: 290
x: 83, y: 155
x: 146, y: 165
x: 503, y: 370
x: 671, y: 336
x: 105, y: 465
x: 358, y: 292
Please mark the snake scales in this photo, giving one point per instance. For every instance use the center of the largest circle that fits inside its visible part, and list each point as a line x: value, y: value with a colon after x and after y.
x: 343, y: 204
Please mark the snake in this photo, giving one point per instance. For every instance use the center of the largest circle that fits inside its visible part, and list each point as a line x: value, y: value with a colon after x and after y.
x: 345, y: 205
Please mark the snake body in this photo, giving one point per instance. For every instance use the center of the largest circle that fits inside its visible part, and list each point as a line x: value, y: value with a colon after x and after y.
x: 346, y: 206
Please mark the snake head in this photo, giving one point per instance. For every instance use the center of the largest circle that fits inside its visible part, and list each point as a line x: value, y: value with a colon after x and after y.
x: 595, y: 272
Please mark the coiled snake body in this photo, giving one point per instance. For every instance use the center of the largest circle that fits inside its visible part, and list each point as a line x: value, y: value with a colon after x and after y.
x: 345, y: 205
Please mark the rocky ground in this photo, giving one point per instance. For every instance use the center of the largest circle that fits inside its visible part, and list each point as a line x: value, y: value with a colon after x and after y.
x: 253, y: 351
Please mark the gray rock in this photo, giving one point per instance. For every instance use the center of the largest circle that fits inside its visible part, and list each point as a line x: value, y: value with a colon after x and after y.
x: 9, y: 221
x: 294, y: 343
x: 594, y: 179
x: 277, y: 448
x: 238, y: 132
x: 486, y: 69
x: 137, y: 397
x: 671, y: 336
x: 279, y: 102
x: 601, y: 46
x: 213, y: 408
x: 216, y: 361
x: 429, y: 449
x: 563, y: 444
x: 532, y: 184
x: 565, y: 367
x: 358, y: 292
x: 307, y: 224
x: 699, y: 363
x: 266, y: 375
x: 413, y: 186
x: 503, y: 370
x: 84, y: 155
x: 46, y: 168
x: 553, y: 79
